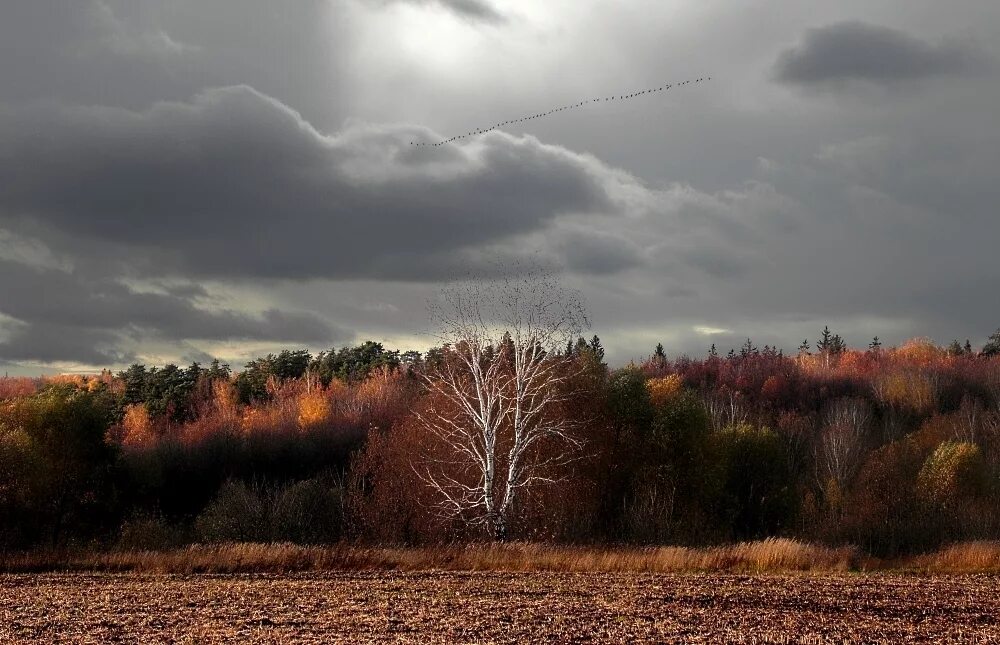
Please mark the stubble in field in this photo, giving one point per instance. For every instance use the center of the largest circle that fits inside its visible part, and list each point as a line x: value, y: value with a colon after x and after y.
x: 488, y: 607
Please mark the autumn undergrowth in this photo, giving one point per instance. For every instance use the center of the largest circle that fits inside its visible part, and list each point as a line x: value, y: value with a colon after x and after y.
x: 766, y: 556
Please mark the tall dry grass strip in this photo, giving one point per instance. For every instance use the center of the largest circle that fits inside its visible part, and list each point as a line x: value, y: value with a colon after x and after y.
x: 768, y: 555
x: 965, y: 557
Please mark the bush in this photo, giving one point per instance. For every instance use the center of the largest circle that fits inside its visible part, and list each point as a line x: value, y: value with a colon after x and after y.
x: 308, y: 512
x: 955, y: 472
x: 305, y: 512
x: 237, y: 514
x: 150, y: 532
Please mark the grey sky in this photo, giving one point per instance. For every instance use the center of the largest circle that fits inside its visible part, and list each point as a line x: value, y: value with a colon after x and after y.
x: 190, y: 178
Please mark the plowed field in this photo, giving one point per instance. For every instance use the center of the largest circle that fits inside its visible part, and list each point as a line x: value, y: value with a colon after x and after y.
x: 446, y: 607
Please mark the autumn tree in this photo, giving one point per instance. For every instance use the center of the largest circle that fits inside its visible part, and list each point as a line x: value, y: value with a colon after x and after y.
x: 59, y: 436
x: 500, y: 424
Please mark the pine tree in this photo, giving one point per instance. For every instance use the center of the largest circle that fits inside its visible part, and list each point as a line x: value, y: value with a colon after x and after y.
x: 659, y: 354
x: 829, y: 344
x: 825, y: 341
x: 597, y: 348
x: 875, y: 345
x: 968, y: 347
x: 712, y: 352
x: 992, y: 346
x: 804, y: 347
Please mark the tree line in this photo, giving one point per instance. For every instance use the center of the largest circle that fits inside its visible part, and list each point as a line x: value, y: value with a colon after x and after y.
x: 516, y: 429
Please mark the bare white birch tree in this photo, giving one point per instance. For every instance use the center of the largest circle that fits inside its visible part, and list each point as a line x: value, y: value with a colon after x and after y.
x: 841, y: 446
x: 501, y: 387
x: 725, y: 409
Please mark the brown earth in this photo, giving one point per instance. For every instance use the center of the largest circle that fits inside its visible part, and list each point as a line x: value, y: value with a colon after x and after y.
x: 495, y: 607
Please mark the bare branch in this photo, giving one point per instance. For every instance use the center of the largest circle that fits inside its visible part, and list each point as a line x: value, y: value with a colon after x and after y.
x: 504, y: 384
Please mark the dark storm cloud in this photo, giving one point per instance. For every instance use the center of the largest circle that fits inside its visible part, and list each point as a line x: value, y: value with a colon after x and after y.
x: 857, y: 51
x: 121, y: 195
x: 477, y: 10
x: 234, y: 184
x: 52, y: 342
x: 62, y: 316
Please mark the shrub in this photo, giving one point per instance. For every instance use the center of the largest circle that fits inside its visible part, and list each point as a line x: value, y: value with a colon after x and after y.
x: 953, y: 473
x: 308, y: 512
x: 305, y: 512
x: 238, y: 513
x: 150, y: 532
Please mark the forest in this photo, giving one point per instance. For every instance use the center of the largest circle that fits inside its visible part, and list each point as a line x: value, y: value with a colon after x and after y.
x: 892, y: 449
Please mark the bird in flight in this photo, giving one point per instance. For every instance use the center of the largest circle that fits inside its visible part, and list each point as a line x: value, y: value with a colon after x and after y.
x: 620, y: 97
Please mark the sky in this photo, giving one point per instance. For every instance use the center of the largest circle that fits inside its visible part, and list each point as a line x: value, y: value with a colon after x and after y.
x: 182, y: 180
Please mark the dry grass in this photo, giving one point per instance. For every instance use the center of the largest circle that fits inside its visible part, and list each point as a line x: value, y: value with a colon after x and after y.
x: 772, y: 555
x: 767, y: 555
x: 965, y: 557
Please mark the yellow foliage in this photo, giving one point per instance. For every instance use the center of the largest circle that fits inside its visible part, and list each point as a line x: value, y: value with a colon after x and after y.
x: 906, y: 389
x: 76, y: 380
x: 138, y: 426
x: 314, y: 409
x: 920, y: 351
x: 224, y: 400
x: 954, y: 471
x: 664, y: 390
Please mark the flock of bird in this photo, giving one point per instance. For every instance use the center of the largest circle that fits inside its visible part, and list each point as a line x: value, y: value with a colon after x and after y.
x: 617, y: 97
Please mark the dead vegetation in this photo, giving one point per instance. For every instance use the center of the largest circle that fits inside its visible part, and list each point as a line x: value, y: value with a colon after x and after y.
x: 771, y: 555
x: 965, y: 557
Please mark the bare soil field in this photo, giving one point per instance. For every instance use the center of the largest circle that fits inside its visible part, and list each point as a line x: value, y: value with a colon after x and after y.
x: 498, y: 607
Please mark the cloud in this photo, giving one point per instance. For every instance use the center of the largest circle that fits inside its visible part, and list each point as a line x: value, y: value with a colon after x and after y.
x: 705, y: 330
x: 85, y: 50
x: 60, y: 315
x: 234, y: 187
x: 475, y: 10
x: 234, y: 184
x: 857, y: 51
x: 52, y: 342
x: 165, y: 220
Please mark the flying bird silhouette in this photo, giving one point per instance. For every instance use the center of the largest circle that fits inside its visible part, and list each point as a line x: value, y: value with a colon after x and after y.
x: 620, y: 97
